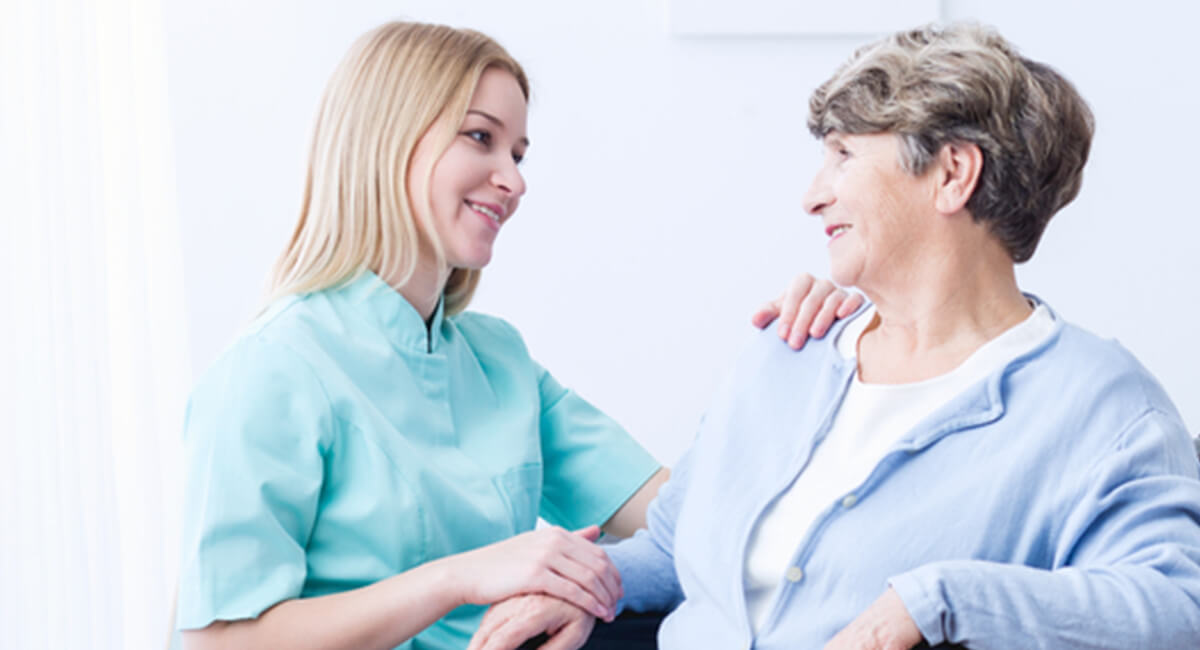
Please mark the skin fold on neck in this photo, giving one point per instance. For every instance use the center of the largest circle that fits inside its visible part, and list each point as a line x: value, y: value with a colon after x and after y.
x: 933, y: 316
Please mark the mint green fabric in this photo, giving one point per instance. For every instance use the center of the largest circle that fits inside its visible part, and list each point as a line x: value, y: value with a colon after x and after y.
x: 339, y: 442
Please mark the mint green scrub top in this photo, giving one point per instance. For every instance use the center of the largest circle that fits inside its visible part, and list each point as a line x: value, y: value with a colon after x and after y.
x: 337, y: 443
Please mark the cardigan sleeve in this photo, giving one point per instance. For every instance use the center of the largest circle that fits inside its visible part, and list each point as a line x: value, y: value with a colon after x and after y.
x: 646, y: 561
x: 1127, y: 575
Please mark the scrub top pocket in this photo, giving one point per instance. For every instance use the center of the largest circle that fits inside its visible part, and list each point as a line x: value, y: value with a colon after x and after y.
x: 521, y: 488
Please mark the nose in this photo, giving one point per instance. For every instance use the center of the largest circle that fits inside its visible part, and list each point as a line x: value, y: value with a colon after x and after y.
x: 819, y: 195
x: 507, y: 177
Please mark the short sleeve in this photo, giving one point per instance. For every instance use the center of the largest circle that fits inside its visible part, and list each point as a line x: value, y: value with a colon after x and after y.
x: 255, y: 432
x: 591, y: 465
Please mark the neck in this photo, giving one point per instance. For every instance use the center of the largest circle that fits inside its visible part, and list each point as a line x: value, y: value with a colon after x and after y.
x: 423, y: 288
x: 929, y: 319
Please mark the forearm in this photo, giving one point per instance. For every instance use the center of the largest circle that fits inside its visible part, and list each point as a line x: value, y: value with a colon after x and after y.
x: 1126, y: 558
x: 382, y: 615
x: 1002, y: 606
x: 647, y: 574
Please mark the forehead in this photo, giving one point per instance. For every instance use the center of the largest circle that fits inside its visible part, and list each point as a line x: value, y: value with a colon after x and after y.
x: 498, y: 89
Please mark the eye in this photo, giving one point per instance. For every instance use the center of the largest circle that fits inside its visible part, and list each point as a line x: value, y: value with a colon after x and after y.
x: 479, y: 135
x: 518, y: 156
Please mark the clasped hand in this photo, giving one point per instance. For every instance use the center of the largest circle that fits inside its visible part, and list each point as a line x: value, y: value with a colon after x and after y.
x: 885, y: 625
x: 553, y: 561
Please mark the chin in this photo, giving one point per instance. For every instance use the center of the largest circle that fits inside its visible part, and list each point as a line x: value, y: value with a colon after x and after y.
x: 474, y: 261
x: 843, y: 277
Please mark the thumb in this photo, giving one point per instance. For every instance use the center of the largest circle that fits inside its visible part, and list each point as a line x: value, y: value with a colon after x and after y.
x: 591, y: 533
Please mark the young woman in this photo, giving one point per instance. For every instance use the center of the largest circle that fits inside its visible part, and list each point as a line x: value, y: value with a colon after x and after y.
x: 367, y: 462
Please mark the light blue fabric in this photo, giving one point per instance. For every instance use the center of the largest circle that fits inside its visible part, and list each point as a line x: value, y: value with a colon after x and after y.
x: 1053, y: 505
x: 337, y: 444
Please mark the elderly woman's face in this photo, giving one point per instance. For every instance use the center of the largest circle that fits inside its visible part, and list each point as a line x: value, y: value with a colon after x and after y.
x: 872, y: 211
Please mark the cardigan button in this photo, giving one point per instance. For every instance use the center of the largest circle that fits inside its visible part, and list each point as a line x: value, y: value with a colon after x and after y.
x: 849, y: 501
x: 794, y: 574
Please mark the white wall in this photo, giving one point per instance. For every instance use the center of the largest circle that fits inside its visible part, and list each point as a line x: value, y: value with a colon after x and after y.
x: 666, y: 176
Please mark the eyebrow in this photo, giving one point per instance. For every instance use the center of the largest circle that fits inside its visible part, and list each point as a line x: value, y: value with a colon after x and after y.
x: 495, y: 120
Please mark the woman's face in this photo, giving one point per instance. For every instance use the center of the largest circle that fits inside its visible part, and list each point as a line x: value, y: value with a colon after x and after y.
x: 475, y: 186
x: 872, y: 211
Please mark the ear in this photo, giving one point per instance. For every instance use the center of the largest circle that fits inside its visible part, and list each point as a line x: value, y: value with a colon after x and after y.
x: 958, y: 167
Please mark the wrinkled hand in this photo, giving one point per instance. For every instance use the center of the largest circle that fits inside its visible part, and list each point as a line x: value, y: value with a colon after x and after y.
x: 807, y: 308
x: 551, y: 560
x: 885, y: 625
x: 509, y: 624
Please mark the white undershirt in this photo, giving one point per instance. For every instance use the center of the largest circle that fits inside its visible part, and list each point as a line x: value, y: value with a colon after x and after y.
x: 871, y: 419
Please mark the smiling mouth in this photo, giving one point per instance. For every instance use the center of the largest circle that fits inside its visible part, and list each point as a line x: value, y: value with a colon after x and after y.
x: 485, y: 210
x: 834, y: 231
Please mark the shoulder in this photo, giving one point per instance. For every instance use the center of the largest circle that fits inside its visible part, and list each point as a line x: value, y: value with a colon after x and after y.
x: 772, y: 387
x: 267, y: 364
x: 1102, y: 368
x: 298, y: 321
x: 1098, y: 397
x: 765, y: 355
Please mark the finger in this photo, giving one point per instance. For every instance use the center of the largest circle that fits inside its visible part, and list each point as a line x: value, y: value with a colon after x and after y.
x: 477, y: 640
x: 513, y: 633
x: 590, y: 580
x: 570, y: 591
x: 611, y: 577
x: 808, y: 309
x: 850, y: 305
x: 590, y: 533
x: 491, y: 621
x: 801, y: 286
x: 572, y: 636
x: 594, y: 558
x: 765, y: 314
x: 827, y: 314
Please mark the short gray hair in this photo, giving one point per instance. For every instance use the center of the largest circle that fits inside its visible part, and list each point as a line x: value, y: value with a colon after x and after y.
x: 964, y: 83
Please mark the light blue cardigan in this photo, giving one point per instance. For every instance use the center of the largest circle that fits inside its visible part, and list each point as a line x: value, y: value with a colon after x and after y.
x: 1056, y: 504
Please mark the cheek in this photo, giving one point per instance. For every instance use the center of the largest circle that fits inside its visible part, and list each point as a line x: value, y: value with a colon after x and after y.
x: 422, y: 189
x: 445, y: 196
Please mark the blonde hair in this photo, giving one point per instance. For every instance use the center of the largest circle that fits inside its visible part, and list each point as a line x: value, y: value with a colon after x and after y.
x: 356, y: 211
x: 964, y: 83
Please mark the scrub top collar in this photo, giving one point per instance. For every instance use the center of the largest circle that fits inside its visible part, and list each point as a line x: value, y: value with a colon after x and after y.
x: 398, y: 319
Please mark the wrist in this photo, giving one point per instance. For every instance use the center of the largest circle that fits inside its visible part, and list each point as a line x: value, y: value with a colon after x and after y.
x: 454, y: 585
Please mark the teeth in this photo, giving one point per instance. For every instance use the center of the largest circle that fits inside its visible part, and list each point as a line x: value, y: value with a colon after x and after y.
x: 485, y: 210
x: 839, y: 230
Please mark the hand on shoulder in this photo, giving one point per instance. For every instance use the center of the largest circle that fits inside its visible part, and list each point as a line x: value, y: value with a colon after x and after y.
x: 806, y: 309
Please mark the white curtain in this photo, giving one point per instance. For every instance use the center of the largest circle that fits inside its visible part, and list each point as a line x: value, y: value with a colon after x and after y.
x: 93, y: 354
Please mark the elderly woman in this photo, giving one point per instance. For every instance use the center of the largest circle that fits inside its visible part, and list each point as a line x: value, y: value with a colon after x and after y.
x: 956, y: 464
